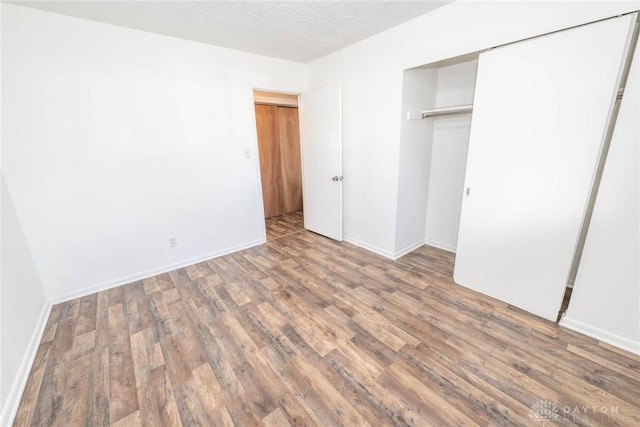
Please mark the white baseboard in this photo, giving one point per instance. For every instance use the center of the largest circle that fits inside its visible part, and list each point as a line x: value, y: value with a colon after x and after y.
x: 150, y: 273
x: 407, y: 249
x: 601, y: 335
x: 385, y: 253
x: 375, y: 249
x: 442, y: 246
x: 12, y: 400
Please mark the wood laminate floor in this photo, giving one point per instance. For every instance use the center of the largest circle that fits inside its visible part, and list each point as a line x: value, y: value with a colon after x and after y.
x: 308, y: 331
x: 284, y: 225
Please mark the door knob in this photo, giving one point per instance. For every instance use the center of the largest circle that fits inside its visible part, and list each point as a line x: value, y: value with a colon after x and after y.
x: 336, y: 178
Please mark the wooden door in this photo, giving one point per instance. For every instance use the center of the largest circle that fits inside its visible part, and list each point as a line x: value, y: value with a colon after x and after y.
x: 291, y: 167
x: 280, y: 166
x: 270, y: 159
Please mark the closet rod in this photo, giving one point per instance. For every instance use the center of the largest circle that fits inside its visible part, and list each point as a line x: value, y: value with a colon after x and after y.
x: 447, y: 111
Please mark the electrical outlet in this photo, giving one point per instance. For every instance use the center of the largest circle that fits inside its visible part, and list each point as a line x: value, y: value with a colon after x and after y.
x: 247, y: 153
x: 173, y: 242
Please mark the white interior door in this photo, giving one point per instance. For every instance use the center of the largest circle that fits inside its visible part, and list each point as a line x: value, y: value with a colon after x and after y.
x: 321, y: 143
x: 540, y: 113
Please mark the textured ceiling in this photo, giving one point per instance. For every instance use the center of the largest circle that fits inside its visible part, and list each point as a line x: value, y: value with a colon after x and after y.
x: 297, y: 30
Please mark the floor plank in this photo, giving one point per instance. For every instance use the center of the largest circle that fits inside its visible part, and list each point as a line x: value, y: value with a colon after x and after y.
x: 284, y: 225
x: 308, y: 331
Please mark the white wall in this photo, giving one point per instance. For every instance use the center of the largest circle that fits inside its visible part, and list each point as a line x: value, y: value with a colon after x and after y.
x: 2, y: 398
x: 24, y: 308
x: 418, y: 93
x: 456, y: 84
x: 605, y: 302
x: 117, y: 139
x: 371, y: 76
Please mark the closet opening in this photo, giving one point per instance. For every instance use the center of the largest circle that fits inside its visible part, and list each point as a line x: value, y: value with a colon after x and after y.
x: 437, y: 108
x: 278, y: 130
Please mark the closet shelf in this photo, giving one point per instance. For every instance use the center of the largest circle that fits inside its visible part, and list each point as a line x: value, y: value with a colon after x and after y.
x: 447, y: 111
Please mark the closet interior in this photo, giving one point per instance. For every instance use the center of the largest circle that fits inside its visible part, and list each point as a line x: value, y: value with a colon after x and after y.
x: 450, y: 110
x: 437, y: 106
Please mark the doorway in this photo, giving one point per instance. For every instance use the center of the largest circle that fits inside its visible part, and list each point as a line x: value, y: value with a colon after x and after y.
x: 278, y: 130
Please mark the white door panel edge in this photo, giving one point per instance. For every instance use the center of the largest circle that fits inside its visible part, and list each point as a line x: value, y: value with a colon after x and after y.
x: 321, y: 144
x: 541, y: 110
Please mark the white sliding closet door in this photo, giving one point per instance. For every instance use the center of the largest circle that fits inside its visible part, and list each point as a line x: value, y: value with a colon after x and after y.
x: 540, y: 113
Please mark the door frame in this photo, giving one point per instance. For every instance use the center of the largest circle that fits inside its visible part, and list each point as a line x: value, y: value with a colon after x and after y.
x: 256, y: 149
